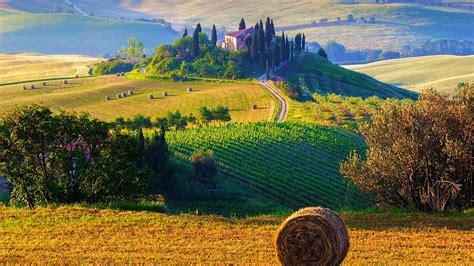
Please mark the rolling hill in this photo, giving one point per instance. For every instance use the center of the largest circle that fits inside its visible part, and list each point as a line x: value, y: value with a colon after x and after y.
x: 397, y: 24
x: 311, y: 73
x: 441, y: 72
x: 75, y: 34
x: 16, y: 68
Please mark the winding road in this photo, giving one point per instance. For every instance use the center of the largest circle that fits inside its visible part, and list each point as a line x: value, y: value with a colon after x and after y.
x: 283, y: 110
x: 75, y: 7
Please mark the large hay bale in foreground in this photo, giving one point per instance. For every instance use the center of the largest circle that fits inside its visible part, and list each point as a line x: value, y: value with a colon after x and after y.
x: 312, y: 236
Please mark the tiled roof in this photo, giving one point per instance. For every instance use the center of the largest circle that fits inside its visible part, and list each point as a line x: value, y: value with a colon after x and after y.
x: 241, y: 33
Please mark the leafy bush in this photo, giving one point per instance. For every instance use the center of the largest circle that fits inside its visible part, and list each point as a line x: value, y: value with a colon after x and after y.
x: 420, y: 153
x: 111, y: 67
x: 67, y: 158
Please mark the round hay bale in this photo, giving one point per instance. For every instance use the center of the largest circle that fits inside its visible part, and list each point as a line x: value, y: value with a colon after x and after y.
x: 190, y: 89
x: 254, y: 106
x: 77, y: 76
x: 122, y: 74
x: 312, y: 236
x: 65, y: 81
x: 23, y: 88
x: 107, y: 98
x: 151, y: 97
x: 119, y: 95
x: 32, y: 87
x: 124, y: 94
x: 118, y: 74
x: 44, y: 83
x: 131, y: 92
x: 165, y: 93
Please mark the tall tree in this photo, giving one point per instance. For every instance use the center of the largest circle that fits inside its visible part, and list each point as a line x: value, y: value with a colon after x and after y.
x: 248, y: 43
x: 198, y: 28
x: 287, y: 47
x: 272, y: 27
x: 268, y: 33
x: 214, y: 36
x: 276, y: 55
x: 254, y: 49
x: 242, y: 24
x: 196, y: 49
x: 185, y: 34
x: 303, y: 43
x: 261, y: 38
x: 298, y: 44
x: 292, y: 48
x: 267, y: 70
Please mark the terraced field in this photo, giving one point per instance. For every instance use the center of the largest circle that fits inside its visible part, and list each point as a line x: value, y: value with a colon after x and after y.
x: 24, y: 67
x: 296, y: 163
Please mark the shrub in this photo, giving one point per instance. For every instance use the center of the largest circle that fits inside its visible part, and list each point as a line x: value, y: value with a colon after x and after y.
x: 204, y: 163
x: 420, y: 153
x: 111, y: 67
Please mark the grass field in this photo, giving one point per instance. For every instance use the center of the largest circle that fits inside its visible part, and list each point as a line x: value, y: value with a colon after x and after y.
x: 442, y: 72
x: 257, y: 156
x: 24, y: 67
x: 75, y: 34
x: 79, y: 235
x: 88, y: 95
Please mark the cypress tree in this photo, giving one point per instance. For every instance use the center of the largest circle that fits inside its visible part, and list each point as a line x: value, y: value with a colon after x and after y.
x: 141, y: 140
x: 214, y: 36
x: 277, y: 54
x: 261, y: 38
x: 303, y: 43
x: 185, y: 34
x: 196, y: 49
x: 298, y: 43
x: 248, y: 43
x: 268, y: 33
x: 242, y: 24
x: 254, y: 49
x: 287, y: 46
x: 198, y: 28
x: 292, y: 50
x: 283, y: 47
x: 272, y: 27
x: 267, y: 71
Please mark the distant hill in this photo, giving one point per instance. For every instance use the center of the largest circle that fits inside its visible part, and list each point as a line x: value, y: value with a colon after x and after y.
x: 75, y: 34
x: 397, y: 24
x: 442, y: 72
x: 311, y: 73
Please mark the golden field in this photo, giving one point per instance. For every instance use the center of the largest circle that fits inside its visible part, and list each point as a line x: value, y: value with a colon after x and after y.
x: 24, y: 67
x: 81, y: 235
x: 88, y: 95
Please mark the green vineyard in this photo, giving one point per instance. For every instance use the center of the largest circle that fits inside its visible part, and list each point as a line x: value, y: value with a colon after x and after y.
x: 296, y: 164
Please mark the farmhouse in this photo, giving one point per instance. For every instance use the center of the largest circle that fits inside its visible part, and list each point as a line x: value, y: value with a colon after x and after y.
x: 234, y: 41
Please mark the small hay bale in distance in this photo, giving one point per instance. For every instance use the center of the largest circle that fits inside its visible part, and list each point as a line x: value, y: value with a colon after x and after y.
x: 131, y: 92
x: 151, y: 97
x: 119, y: 95
x: 118, y: 74
x: 44, y: 83
x: 122, y: 74
x: 107, y: 98
x: 32, y: 87
x: 254, y: 106
x: 65, y: 81
x: 77, y: 76
x: 165, y: 94
x: 190, y: 89
x: 312, y: 236
x: 23, y: 87
x: 124, y: 94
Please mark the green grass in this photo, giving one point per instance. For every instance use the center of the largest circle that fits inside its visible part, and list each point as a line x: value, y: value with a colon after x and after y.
x: 312, y: 73
x: 88, y: 95
x: 75, y: 34
x: 441, y: 72
x: 293, y: 163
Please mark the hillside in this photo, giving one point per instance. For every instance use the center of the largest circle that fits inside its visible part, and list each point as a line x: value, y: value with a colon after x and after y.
x: 440, y: 72
x: 311, y: 73
x: 75, y: 34
x: 398, y: 24
x: 88, y: 95
x: 256, y: 155
x: 23, y: 67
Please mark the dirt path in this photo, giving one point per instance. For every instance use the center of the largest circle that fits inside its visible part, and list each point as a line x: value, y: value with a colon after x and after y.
x: 283, y: 110
x: 75, y: 7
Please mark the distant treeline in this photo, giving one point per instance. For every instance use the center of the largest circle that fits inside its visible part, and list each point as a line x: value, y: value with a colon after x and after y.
x: 339, y: 53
